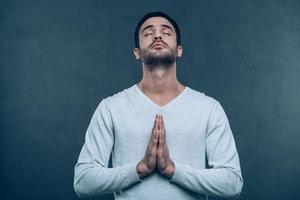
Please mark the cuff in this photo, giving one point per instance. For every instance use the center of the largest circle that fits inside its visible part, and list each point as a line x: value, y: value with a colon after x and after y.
x: 179, y: 173
x: 130, y: 173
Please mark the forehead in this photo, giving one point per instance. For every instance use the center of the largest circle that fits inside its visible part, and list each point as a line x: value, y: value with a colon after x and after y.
x: 156, y: 21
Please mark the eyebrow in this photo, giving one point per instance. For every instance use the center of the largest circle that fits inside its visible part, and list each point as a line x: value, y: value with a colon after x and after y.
x: 151, y: 26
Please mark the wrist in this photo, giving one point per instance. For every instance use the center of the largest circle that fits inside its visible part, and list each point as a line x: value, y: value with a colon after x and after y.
x: 142, y: 170
x: 169, y: 171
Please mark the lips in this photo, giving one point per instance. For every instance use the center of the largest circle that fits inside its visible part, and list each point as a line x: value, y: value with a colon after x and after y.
x: 158, y: 45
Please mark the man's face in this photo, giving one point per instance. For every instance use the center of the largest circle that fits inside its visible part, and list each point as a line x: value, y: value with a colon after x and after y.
x: 158, y: 45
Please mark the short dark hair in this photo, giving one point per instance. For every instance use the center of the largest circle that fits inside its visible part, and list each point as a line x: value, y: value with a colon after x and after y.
x: 156, y: 14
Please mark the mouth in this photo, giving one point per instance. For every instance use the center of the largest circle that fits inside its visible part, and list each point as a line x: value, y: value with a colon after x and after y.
x: 158, y: 46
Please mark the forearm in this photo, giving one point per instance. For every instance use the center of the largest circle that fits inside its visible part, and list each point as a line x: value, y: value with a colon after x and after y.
x: 93, y: 179
x: 221, y: 182
x: 92, y: 176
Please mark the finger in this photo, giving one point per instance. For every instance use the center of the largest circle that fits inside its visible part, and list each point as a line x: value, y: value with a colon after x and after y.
x: 161, y: 150
x: 163, y: 128
x: 154, y: 136
x: 153, y: 143
x: 155, y: 140
x: 162, y: 122
x: 161, y: 139
x: 154, y: 126
x: 159, y: 122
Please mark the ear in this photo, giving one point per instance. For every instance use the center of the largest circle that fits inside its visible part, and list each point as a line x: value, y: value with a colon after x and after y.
x: 137, y: 53
x: 179, y: 51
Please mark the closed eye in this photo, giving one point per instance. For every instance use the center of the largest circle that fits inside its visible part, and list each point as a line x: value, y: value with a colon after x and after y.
x: 147, y: 34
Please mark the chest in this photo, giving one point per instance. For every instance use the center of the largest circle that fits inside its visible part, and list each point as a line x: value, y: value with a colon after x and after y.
x: 185, y: 131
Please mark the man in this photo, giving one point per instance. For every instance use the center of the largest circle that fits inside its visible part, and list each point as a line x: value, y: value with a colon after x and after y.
x: 167, y: 140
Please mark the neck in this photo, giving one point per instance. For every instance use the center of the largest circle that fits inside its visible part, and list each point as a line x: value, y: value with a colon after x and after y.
x: 161, y: 80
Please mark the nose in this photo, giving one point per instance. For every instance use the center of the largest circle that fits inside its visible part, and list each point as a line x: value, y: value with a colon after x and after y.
x: 157, y: 36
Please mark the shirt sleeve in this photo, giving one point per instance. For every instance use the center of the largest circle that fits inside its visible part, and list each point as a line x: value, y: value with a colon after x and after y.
x: 92, y: 176
x: 223, y: 176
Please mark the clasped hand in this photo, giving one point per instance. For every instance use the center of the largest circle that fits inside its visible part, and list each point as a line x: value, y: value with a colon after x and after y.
x: 157, y: 153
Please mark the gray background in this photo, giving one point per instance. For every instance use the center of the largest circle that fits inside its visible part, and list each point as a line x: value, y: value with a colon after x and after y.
x: 60, y: 58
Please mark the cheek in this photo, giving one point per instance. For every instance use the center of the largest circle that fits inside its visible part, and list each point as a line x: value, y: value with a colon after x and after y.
x: 145, y: 43
x: 172, y: 44
x: 170, y: 40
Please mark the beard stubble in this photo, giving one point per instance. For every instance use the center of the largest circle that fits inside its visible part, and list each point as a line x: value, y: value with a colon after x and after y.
x: 158, y: 59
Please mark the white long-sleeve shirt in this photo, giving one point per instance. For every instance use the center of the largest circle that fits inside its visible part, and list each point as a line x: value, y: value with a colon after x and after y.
x: 196, y: 129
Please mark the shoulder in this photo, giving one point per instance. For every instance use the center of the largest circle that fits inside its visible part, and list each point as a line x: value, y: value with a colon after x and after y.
x: 118, y: 99
x: 198, y: 97
x: 210, y: 106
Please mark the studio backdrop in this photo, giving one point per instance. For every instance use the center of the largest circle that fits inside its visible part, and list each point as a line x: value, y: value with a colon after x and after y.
x: 59, y: 59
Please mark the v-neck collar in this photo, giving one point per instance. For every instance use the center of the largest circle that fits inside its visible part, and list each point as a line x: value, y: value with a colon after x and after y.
x: 175, y: 99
